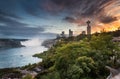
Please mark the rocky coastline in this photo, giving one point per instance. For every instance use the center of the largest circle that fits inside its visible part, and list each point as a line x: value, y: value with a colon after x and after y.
x: 49, y: 43
x: 10, y: 43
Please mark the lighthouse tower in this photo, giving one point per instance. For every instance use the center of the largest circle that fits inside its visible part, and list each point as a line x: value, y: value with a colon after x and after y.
x: 88, y: 28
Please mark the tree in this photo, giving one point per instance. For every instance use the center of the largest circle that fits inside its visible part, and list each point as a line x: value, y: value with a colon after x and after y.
x: 28, y: 77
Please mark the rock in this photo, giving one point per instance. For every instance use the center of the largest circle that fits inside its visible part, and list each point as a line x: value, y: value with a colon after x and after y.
x: 114, y: 73
x: 7, y: 43
x: 49, y: 43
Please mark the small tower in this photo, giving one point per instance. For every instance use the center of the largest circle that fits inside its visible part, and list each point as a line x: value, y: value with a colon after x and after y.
x: 70, y: 33
x: 63, y: 34
x: 83, y: 33
x: 88, y: 28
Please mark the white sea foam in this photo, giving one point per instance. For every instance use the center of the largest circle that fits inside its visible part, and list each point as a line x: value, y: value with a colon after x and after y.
x: 32, y: 42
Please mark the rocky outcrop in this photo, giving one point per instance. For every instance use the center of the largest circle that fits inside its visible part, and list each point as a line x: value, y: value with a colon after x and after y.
x: 49, y: 43
x: 114, y: 73
x: 6, y: 43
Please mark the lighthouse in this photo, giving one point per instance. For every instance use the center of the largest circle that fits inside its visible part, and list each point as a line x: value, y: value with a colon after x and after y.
x: 88, y: 28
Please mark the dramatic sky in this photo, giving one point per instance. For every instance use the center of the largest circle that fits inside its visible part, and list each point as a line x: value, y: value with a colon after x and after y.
x: 38, y: 18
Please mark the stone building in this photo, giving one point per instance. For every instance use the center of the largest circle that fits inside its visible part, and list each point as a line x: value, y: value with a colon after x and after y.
x: 70, y: 33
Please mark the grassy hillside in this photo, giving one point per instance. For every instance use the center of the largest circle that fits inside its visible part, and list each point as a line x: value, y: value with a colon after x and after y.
x: 77, y: 57
x: 80, y: 59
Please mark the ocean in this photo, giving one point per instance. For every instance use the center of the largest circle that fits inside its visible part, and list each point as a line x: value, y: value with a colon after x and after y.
x: 17, y: 57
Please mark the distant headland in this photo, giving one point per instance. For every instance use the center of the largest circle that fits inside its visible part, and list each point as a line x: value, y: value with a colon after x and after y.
x: 10, y: 43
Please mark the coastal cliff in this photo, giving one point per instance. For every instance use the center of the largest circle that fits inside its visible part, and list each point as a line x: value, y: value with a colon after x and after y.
x: 6, y: 43
x: 49, y: 43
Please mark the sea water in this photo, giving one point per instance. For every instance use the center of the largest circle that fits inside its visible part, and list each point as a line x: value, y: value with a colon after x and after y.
x: 17, y: 57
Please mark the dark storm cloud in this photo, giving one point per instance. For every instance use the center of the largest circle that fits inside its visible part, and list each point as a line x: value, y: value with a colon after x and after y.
x: 108, y: 19
x: 73, y: 11
x: 9, y: 26
x: 10, y: 22
x: 6, y: 14
x: 31, y: 7
x: 15, y: 18
x: 75, y: 20
x: 82, y: 9
x: 70, y: 19
x: 28, y: 31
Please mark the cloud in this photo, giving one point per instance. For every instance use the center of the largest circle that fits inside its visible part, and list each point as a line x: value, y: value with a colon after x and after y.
x: 31, y: 7
x: 84, y: 7
x: 69, y: 19
x: 10, y: 26
x: 6, y: 14
x: 100, y: 12
x: 75, y: 20
x: 79, y: 10
x: 108, y: 19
